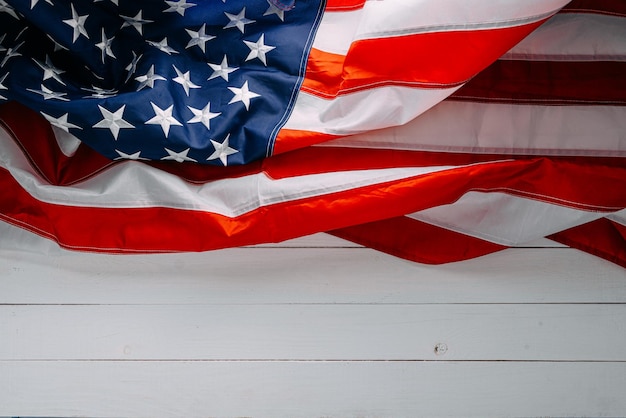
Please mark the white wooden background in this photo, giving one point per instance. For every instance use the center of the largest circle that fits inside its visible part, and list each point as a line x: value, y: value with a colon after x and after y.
x: 314, y: 327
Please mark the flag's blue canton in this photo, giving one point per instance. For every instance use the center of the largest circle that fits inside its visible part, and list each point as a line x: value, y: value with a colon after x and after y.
x: 210, y: 81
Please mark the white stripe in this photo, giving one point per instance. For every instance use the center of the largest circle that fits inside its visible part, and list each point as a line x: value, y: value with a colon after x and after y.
x: 26, y: 243
x: 363, y: 110
x: 380, y: 19
x: 504, y: 219
x: 505, y: 129
x: 68, y: 143
x: 618, y: 217
x: 574, y: 37
x: 133, y: 184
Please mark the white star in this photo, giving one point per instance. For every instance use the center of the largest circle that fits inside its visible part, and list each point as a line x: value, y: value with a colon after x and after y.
x: 105, y: 46
x: 33, y: 3
x: 49, y: 70
x: 136, y: 22
x: 93, y: 73
x: 178, y: 156
x: 49, y: 94
x: 184, y: 80
x: 4, y: 7
x: 2, y: 86
x: 199, y: 38
x: 100, y: 93
x: 163, y: 118
x: 132, y: 67
x: 243, y: 95
x: 222, y: 151
x: 203, y: 116
x: 178, y: 6
x: 148, y: 79
x: 57, y: 46
x: 123, y: 156
x: 238, y: 21
x: 221, y: 70
x: 10, y: 53
x: 163, y: 46
x: 258, y: 49
x: 78, y: 24
x: 273, y: 9
x: 113, y: 121
x: 60, y: 122
x: 23, y: 31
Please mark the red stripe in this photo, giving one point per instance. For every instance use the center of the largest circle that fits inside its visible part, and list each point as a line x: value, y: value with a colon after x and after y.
x: 428, y: 60
x: 417, y: 241
x: 315, y: 160
x: 164, y: 229
x: 601, y: 237
x: 344, y: 5
x: 550, y: 83
x: 34, y: 135
x: 160, y: 229
x: 518, y: 82
x: 291, y: 139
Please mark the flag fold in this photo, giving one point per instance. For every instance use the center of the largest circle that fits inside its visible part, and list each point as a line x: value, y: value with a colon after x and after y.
x: 436, y: 131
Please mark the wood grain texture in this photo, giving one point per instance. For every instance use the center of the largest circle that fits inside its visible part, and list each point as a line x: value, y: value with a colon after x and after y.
x: 587, y: 332
x: 312, y: 389
x: 311, y: 328
x: 308, y: 275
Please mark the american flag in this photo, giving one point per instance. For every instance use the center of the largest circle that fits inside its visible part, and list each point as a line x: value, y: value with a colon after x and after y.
x: 433, y: 130
x: 208, y: 82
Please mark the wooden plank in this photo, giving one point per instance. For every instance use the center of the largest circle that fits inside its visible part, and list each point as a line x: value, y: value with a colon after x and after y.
x: 314, y: 332
x: 307, y: 389
x: 311, y: 275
